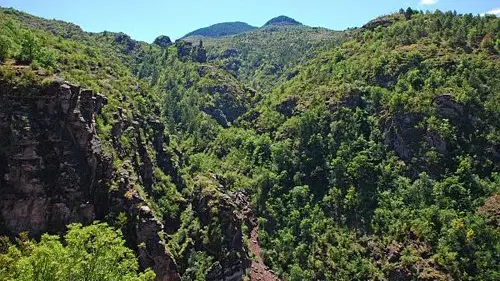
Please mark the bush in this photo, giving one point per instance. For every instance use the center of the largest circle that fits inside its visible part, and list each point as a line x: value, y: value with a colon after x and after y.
x: 5, y: 45
x: 30, y: 48
x: 47, y: 58
x: 95, y: 252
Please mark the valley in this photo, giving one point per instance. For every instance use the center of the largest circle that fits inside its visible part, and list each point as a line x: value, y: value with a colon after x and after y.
x: 280, y: 152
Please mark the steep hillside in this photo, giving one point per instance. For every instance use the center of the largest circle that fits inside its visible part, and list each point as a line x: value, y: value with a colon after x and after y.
x: 377, y: 159
x: 222, y: 29
x: 264, y: 57
x: 84, y: 139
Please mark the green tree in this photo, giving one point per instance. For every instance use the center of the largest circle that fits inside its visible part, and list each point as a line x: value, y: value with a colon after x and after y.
x: 96, y: 252
x: 199, y: 265
x: 408, y: 13
x: 47, y: 57
x: 30, y: 47
x: 5, y: 45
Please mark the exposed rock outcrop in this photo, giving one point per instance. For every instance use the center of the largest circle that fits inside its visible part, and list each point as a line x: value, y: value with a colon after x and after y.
x: 186, y: 50
x: 491, y: 210
x: 447, y: 107
x: 384, y: 21
x: 54, y: 170
x: 402, y: 134
x: 230, y: 52
x: 127, y: 43
x: 230, y: 252
x: 164, y: 156
x: 287, y: 106
x: 405, y: 136
x: 199, y: 53
x: 163, y: 41
x: 391, y: 256
x: 258, y: 270
x: 145, y: 232
x: 229, y: 99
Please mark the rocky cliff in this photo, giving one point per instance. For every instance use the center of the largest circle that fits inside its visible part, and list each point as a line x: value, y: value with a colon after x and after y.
x: 54, y: 171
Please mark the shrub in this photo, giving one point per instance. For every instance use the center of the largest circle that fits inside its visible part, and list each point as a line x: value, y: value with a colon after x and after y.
x: 95, y: 252
x: 30, y: 48
x: 5, y: 45
x: 47, y: 58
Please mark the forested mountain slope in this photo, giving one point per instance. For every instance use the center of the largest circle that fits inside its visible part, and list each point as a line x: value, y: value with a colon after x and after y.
x: 368, y: 154
x: 263, y: 58
x: 222, y: 29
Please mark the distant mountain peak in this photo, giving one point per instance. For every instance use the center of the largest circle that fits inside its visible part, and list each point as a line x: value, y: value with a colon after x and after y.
x: 282, y: 20
x: 222, y: 29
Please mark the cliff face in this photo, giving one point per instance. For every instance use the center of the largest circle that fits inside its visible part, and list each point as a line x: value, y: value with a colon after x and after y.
x: 53, y: 168
x: 212, y: 205
x: 53, y: 171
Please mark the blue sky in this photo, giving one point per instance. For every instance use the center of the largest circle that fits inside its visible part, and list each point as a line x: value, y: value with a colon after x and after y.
x: 146, y: 19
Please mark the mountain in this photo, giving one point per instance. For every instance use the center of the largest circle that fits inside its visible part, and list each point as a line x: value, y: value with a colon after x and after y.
x: 282, y: 153
x: 260, y: 57
x: 222, y: 29
x: 233, y: 28
x: 282, y: 20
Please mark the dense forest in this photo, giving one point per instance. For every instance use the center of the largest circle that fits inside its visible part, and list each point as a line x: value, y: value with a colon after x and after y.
x: 366, y: 154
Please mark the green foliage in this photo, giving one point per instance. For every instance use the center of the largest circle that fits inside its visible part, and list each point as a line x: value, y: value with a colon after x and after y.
x: 30, y: 47
x: 47, y: 58
x: 5, y: 47
x: 322, y: 154
x: 199, y: 263
x: 95, y: 252
x: 260, y: 57
x: 282, y: 20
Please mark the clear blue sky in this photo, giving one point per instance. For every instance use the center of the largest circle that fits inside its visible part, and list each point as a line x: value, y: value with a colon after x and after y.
x: 146, y: 19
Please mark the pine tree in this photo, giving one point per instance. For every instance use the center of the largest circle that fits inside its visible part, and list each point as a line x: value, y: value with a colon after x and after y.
x: 408, y: 13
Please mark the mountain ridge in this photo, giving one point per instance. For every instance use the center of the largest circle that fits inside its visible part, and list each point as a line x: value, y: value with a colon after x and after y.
x: 233, y: 28
x: 221, y: 29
